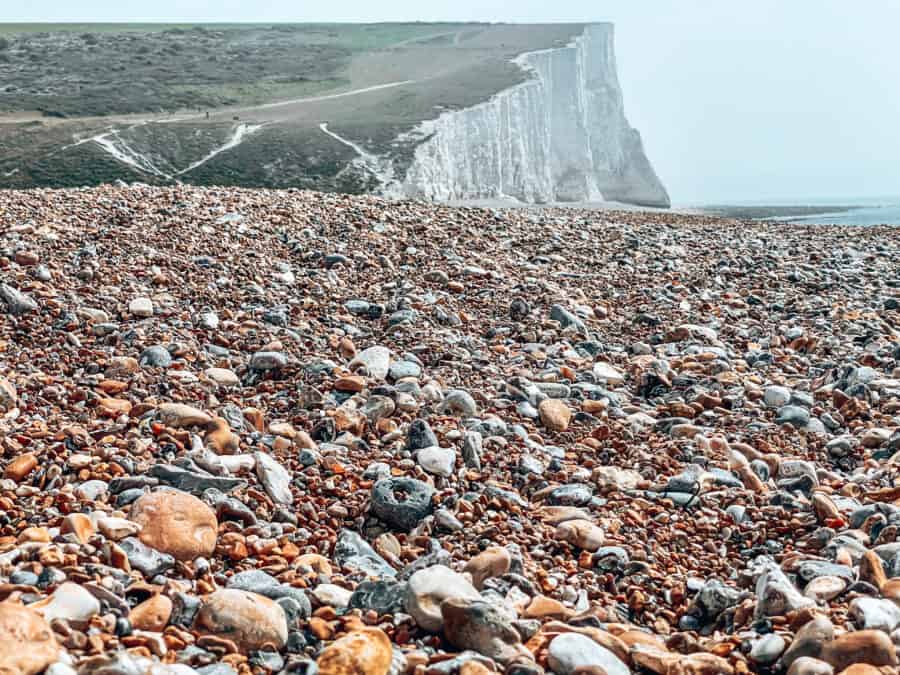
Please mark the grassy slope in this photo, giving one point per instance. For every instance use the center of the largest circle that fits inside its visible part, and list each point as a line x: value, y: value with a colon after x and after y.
x: 292, y: 153
x: 71, y: 70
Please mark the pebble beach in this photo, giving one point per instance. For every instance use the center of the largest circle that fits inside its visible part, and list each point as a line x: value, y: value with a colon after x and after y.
x: 249, y: 431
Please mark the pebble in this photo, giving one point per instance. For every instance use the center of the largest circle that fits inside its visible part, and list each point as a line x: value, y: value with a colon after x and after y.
x: 376, y: 361
x: 181, y: 415
x: 17, y: 302
x: 152, y: 614
x: 363, y: 652
x: 175, y: 523
x: 494, y: 561
x: 581, y: 533
x: 8, y: 397
x: 776, y: 396
x: 141, y: 307
x: 70, y: 602
x: 402, y: 502
x: 481, y: 627
x: 570, y: 652
x: 222, y: 376
x: 20, y: 467
x: 459, y: 402
x: 767, y: 649
x: 437, y: 461
x: 332, y: 596
x: 27, y: 644
x: 429, y: 588
x: 267, y: 360
x: 555, y: 414
x: 274, y: 478
x: 252, y: 621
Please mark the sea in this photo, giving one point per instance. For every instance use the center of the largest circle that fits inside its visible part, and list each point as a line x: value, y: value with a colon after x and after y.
x: 887, y: 214
x: 866, y: 211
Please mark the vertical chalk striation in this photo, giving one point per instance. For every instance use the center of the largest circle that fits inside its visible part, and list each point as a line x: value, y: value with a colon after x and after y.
x: 561, y: 136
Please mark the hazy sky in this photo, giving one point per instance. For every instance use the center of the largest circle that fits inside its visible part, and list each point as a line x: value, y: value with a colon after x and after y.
x: 769, y: 99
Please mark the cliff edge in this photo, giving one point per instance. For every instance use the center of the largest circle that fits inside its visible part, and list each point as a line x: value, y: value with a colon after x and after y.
x: 561, y: 136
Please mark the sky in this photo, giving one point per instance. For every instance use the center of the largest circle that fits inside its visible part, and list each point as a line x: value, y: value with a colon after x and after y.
x: 769, y: 100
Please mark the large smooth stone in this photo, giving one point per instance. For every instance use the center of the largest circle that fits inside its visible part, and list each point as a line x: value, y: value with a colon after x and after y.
x: 875, y: 613
x: 176, y: 523
x: 363, y: 652
x: 863, y: 646
x: 251, y: 621
x: 429, y: 588
x: 70, y: 602
x: 376, y: 360
x: 437, y: 461
x: 475, y: 624
x: 27, y: 644
x: 570, y: 651
x: 181, y: 415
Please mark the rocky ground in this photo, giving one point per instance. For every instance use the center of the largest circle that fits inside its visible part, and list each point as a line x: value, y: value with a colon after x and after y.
x: 249, y: 431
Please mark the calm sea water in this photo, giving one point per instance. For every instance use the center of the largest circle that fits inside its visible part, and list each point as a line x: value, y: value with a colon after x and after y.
x: 884, y: 210
x: 888, y: 214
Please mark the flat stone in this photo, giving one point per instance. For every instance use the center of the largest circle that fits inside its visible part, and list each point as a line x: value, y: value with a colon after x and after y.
x: 351, y: 550
x: 383, y: 596
x: 275, y: 478
x: 147, y: 560
x: 192, y: 482
x: 141, y: 307
x: 612, y: 377
x: 376, y: 360
x: 332, y: 595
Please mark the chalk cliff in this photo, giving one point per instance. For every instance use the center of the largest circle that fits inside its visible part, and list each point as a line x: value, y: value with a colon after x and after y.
x: 560, y: 136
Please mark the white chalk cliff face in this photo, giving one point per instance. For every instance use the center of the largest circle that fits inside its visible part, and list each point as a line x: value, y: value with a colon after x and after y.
x: 560, y: 136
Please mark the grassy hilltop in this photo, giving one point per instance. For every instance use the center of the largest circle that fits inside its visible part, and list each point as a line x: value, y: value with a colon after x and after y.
x: 174, y: 93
